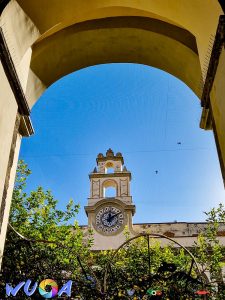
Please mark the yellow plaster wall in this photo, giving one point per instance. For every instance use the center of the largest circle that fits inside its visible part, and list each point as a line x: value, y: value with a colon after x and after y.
x: 217, y: 97
x: 69, y: 51
x: 42, y: 19
x: 200, y: 17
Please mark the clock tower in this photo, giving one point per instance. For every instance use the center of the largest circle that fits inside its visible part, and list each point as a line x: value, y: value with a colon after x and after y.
x: 108, y: 214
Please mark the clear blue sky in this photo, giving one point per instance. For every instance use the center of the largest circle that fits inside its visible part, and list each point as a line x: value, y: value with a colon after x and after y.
x: 143, y: 113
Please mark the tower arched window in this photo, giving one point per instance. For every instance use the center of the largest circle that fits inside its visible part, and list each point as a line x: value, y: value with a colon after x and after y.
x: 109, y: 168
x: 110, y: 192
x: 109, y: 188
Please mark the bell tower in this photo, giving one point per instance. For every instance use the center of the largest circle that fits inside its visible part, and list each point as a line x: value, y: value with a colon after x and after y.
x: 108, y: 214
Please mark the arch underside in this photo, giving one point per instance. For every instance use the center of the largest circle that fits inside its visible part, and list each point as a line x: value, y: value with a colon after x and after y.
x: 115, y: 40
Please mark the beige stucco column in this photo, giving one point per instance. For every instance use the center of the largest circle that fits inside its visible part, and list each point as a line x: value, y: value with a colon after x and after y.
x: 12, y: 126
x: 8, y: 186
x: 9, y: 148
x: 14, y: 110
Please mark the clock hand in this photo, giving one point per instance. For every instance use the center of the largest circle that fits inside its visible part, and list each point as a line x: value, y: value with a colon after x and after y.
x: 113, y: 216
x: 109, y: 217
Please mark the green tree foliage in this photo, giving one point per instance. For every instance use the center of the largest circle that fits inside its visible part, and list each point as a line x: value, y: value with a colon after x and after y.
x: 35, y: 215
x: 139, y: 269
x: 210, y: 253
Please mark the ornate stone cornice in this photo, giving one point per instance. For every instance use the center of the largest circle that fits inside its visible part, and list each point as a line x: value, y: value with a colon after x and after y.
x: 105, y: 175
x: 213, y: 63
x: 110, y: 156
x: 206, y: 119
x: 26, y: 128
x: 113, y: 201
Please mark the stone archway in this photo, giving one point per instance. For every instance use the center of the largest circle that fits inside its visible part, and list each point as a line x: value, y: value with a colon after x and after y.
x: 41, y: 41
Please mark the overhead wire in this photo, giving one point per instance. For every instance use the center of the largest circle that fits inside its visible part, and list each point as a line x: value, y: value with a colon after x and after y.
x: 125, y: 152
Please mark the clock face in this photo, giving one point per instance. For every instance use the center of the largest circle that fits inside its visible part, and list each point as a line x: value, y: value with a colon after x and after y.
x: 109, y: 220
